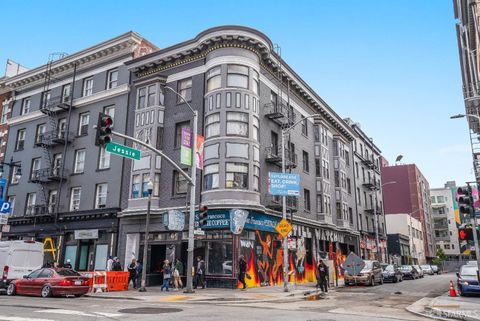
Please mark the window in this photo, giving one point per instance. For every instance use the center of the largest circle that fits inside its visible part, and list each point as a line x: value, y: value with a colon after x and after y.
x: 25, y: 106
x: 218, y: 103
x: 305, y: 162
x: 104, y: 159
x: 145, y: 180
x: 306, y: 199
x: 349, y: 186
x: 178, y: 132
x: 316, y: 133
x: 112, y: 79
x: 46, y: 98
x: 247, y: 101
x: 135, y: 186
x: 212, y: 125
x: 185, y: 90
x: 440, y: 199
x: 101, y: 195
x: 87, y: 87
x: 35, y: 168
x: 5, y: 111
x: 20, y: 139
x: 238, y: 100
x: 273, y: 99
x: 347, y: 158
x: 237, y: 124
x: 256, y: 125
x: 237, y: 150
x: 66, y: 91
x: 57, y: 164
x: 255, y: 82
x: 318, y: 169
x: 156, y: 185
x: 61, y: 127
x: 359, y: 198
x: 304, y: 126
x: 180, y: 184
x: 214, y: 78
x: 31, y: 199
x: 337, y: 178
x: 256, y: 178
x: 41, y: 129
x: 356, y: 170
x: 75, y: 195
x: 83, y: 124
x: 211, y: 176
x: 79, y: 161
x: 229, y: 100
x: 236, y: 175
x: 210, y: 103
x: 142, y: 94
x: 274, y: 143
x: 219, y: 257
x: 151, y: 95
x: 237, y: 76
x: 15, y: 178
x: 52, y: 201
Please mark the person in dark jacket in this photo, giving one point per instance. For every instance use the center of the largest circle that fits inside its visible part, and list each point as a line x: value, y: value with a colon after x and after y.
x: 68, y: 264
x: 116, y: 264
x: 322, y: 275
x: 200, y: 273
x: 167, y: 275
x: 132, y: 273
x: 139, y: 272
x: 242, y: 271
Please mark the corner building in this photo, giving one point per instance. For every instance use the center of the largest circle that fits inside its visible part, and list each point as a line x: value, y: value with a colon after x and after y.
x: 244, y: 94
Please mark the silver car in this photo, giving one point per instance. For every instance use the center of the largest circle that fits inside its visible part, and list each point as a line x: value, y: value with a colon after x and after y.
x: 419, y: 270
x: 427, y: 269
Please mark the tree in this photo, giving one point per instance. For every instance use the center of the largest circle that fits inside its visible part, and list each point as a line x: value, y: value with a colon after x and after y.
x: 441, y: 256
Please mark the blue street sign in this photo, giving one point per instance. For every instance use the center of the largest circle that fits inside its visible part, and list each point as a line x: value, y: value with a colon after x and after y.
x: 283, y: 184
x: 5, y: 207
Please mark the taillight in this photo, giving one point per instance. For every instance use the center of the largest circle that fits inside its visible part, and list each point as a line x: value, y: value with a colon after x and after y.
x: 5, y: 272
x: 65, y: 283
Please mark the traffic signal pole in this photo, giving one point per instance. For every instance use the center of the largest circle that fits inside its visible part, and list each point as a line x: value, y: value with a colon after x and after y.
x: 474, y: 231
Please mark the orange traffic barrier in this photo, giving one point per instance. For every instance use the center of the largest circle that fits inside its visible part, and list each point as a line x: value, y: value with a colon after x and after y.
x: 452, y: 291
x: 117, y: 281
x: 94, y: 278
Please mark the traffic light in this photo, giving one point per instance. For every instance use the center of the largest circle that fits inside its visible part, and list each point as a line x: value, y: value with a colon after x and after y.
x: 465, y: 234
x: 465, y: 202
x: 104, y: 132
x: 202, y: 216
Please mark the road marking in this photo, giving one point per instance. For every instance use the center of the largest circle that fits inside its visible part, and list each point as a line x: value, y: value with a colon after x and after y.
x: 175, y: 298
x: 80, y: 313
x: 10, y: 318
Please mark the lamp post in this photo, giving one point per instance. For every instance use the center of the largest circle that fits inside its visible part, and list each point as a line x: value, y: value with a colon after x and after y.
x: 193, y: 174
x: 285, y: 131
x: 377, y: 237
x: 475, y: 237
x: 145, y: 244
x: 18, y: 172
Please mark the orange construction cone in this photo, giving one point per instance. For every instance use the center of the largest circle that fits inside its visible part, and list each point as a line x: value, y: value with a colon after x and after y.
x: 452, y: 290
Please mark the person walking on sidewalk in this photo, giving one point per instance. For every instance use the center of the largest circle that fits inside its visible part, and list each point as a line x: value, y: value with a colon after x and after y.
x: 167, y: 275
x: 177, y: 274
x: 139, y: 272
x: 242, y: 271
x: 200, y: 273
x: 109, y: 263
x: 132, y: 273
x: 322, y: 272
x: 116, y: 266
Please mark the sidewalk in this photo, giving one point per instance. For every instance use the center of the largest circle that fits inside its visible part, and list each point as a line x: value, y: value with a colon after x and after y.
x: 456, y: 308
x: 258, y: 294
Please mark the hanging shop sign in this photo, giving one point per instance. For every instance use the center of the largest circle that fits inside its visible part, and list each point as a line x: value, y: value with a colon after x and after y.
x: 186, y: 147
x: 221, y: 219
x: 174, y: 220
x: 238, y: 218
x: 86, y: 234
x: 199, y: 151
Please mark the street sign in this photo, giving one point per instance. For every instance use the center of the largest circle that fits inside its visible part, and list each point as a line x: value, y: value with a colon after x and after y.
x: 198, y: 232
x: 3, y: 219
x: 283, y: 184
x: 353, y: 264
x: 174, y: 220
x: 124, y: 151
x: 283, y: 227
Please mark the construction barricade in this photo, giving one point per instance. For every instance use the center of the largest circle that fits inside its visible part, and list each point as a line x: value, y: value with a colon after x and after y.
x: 117, y: 281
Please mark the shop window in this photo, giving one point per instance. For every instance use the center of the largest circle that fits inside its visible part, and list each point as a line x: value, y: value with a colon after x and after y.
x: 101, y: 254
x: 70, y: 254
x: 219, y: 257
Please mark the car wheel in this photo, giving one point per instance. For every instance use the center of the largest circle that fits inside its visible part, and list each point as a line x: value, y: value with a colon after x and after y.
x: 372, y: 281
x: 381, y: 280
x: 46, y: 291
x: 11, y: 290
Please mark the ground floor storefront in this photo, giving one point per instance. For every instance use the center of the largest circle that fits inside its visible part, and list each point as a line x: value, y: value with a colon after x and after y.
x: 220, y: 248
x: 368, y: 248
x: 87, y: 243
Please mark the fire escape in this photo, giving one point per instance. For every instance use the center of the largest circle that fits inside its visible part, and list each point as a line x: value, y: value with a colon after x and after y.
x: 53, y: 137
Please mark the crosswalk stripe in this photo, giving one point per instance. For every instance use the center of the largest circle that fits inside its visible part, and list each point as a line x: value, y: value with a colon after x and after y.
x: 11, y: 318
x: 80, y: 313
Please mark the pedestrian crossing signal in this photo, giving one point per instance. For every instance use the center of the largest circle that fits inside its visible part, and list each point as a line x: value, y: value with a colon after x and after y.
x: 104, y: 132
x: 202, y: 216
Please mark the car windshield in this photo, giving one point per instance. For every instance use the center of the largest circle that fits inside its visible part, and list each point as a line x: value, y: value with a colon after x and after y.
x: 368, y: 266
x: 67, y: 272
x: 405, y: 267
x: 468, y: 271
x: 425, y: 266
x: 388, y: 268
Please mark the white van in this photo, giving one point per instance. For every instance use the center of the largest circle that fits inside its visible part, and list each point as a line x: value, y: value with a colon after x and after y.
x: 19, y: 258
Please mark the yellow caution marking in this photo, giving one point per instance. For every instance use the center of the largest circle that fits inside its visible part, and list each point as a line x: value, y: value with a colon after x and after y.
x: 175, y: 298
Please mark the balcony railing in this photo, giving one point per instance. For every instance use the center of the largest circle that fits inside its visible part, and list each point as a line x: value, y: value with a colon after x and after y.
x: 275, y: 203
x: 36, y: 210
x: 279, y: 113
x: 55, y: 104
x: 372, y: 209
x: 274, y: 156
x: 52, y: 138
x: 46, y: 175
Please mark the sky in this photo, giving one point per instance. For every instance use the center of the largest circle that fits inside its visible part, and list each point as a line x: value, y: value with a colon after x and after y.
x: 391, y: 66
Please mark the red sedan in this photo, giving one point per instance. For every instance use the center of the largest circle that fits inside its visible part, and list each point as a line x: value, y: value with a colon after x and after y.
x: 50, y: 282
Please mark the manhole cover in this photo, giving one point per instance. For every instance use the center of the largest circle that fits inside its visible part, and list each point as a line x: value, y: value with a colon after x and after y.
x: 150, y: 310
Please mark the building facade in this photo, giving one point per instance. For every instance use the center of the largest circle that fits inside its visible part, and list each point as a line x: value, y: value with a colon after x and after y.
x: 410, y: 195
x: 446, y: 220
x: 245, y: 95
x: 401, y: 226
x: 369, y: 196
x: 70, y: 190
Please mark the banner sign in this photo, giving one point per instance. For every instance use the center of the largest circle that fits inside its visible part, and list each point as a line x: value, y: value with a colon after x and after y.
x: 221, y: 219
x: 283, y: 184
x: 238, y: 218
x: 199, y: 152
x: 3, y: 189
x: 186, y: 147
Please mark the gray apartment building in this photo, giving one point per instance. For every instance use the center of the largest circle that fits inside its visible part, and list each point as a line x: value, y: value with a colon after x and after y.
x: 369, y: 196
x: 70, y: 190
x: 244, y: 94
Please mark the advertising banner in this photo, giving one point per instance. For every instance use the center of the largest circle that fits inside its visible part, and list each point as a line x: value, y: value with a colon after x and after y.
x: 199, y: 152
x: 283, y: 184
x: 186, y: 147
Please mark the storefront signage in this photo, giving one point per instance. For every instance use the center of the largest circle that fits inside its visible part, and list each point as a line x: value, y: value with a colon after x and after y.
x: 3, y: 189
x: 283, y: 227
x: 221, y: 219
x: 283, y: 184
x: 174, y: 220
x: 86, y: 234
x: 292, y: 243
x: 261, y: 222
x: 238, y: 218
x: 199, y: 152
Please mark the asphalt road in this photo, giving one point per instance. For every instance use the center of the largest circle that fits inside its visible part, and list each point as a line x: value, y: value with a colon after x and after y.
x: 379, y: 303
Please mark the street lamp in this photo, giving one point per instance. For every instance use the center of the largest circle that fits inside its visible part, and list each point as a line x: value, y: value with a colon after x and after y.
x: 285, y: 131
x: 377, y: 237
x: 193, y: 174
x: 145, y: 244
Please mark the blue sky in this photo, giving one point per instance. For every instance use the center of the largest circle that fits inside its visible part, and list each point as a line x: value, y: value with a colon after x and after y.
x: 392, y: 65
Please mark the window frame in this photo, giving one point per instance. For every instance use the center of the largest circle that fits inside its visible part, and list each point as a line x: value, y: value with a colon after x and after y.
x: 177, y: 142
x: 177, y: 180
x: 112, y: 83
x: 236, y: 121
x: 98, y: 197
x: 87, y: 88
x: 234, y: 173
x: 187, y: 89
x: 306, y: 200
x: 215, y: 123
x: 103, y: 160
x: 26, y: 105
x: 211, y: 75
x: 72, y: 200
x: 208, y: 177
x: 83, y: 128
x: 20, y: 132
x: 237, y: 74
x: 76, y: 161
x: 5, y: 112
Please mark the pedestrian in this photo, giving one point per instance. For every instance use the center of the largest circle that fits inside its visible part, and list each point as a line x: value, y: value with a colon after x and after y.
x: 242, y: 271
x: 68, y: 264
x: 139, y: 273
x: 116, y: 266
x: 109, y: 263
x: 322, y: 272
x: 177, y: 274
x: 200, y: 273
x: 132, y: 273
x: 167, y: 275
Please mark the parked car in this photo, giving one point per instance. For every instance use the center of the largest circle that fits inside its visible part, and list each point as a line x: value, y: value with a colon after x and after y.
x: 391, y: 273
x: 18, y: 258
x: 49, y: 282
x: 467, y: 282
x: 370, y: 274
x: 427, y: 269
x: 419, y: 270
x: 409, y: 272
x: 435, y: 269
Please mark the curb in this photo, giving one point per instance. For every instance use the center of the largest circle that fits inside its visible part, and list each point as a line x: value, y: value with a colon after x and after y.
x: 452, y: 315
x: 412, y: 308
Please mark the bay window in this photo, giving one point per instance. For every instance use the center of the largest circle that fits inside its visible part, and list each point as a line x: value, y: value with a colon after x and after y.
x: 212, y: 125
x: 237, y: 76
x: 237, y: 124
x: 214, y: 78
x: 211, y: 176
x: 236, y: 175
